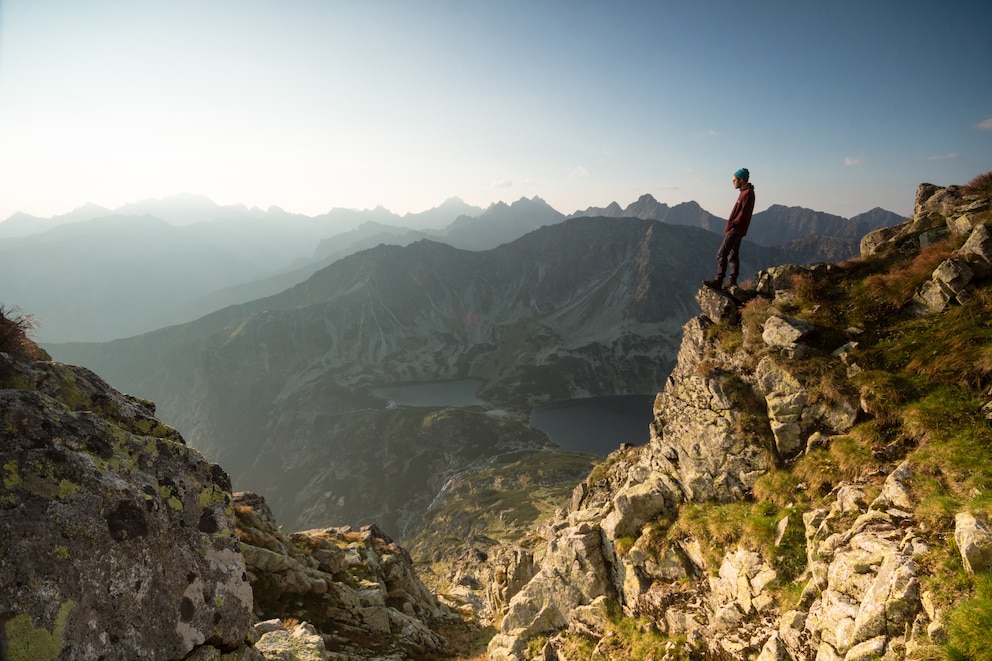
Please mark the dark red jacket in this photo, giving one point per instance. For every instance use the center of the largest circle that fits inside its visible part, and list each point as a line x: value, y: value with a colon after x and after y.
x: 740, y: 217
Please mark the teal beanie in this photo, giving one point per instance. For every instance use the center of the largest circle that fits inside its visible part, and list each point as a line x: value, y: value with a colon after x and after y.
x: 742, y: 174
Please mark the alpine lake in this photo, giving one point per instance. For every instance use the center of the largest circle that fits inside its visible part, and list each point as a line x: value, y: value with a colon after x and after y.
x: 597, y: 425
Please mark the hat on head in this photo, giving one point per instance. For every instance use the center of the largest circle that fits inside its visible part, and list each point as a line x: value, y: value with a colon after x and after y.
x: 742, y: 174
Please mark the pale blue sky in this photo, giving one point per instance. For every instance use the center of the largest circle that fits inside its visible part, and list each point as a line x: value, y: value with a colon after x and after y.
x: 309, y: 105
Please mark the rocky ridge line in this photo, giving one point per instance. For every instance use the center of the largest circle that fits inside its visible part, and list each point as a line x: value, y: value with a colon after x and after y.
x: 720, y: 424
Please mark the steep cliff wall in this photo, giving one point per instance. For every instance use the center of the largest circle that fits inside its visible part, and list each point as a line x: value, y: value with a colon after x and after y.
x: 799, y: 485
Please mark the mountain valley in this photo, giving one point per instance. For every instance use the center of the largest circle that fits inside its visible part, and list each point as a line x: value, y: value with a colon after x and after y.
x: 796, y: 499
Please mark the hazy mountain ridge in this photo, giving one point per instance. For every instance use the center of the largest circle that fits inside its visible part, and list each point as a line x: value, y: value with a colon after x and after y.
x: 590, y: 306
x: 113, y: 275
x: 775, y: 226
x: 278, y: 249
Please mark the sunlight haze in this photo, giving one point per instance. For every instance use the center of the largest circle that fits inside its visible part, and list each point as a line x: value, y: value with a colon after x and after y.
x: 307, y: 105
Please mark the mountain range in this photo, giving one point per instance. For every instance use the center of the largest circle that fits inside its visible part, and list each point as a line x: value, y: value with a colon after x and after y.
x: 584, y: 307
x: 537, y: 307
x: 815, y: 483
x: 177, y: 259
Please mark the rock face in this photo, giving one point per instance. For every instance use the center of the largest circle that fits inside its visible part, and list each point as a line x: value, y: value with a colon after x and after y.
x: 727, y: 416
x: 117, y: 539
x: 355, y: 588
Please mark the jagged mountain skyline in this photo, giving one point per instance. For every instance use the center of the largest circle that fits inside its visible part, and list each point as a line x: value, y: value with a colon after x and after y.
x: 190, y: 208
x: 233, y: 254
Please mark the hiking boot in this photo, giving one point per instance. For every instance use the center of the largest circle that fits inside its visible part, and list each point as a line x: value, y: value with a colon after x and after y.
x: 732, y: 283
x: 715, y: 283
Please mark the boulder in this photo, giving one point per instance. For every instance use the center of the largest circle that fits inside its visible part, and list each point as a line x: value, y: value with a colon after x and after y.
x: 785, y: 399
x: 974, y: 542
x: 977, y: 251
x: 717, y: 306
x: 950, y: 281
x: 118, y: 539
x: 777, y: 278
x: 785, y: 332
x: 278, y: 642
x: 357, y: 584
x: 874, y: 241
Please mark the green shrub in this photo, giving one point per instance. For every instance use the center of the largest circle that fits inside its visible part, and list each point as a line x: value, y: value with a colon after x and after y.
x: 969, y: 624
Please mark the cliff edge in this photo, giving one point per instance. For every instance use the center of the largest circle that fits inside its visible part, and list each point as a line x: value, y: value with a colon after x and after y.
x: 805, y: 476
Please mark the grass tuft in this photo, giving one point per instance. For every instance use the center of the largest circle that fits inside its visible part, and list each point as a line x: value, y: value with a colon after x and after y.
x: 15, y: 329
x: 980, y: 186
x: 969, y: 624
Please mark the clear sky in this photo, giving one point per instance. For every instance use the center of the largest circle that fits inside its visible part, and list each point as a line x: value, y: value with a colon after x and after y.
x: 838, y: 106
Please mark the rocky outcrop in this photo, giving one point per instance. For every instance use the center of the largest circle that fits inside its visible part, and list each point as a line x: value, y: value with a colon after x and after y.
x: 355, y: 589
x: 116, y: 539
x: 731, y: 411
x: 952, y: 280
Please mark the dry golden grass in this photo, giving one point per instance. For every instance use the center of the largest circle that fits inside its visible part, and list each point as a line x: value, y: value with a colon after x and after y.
x: 15, y: 329
x: 980, y: 185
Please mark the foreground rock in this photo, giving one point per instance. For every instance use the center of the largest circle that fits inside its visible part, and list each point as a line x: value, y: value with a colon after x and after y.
x: 116, y: 539
x: 355, y: 588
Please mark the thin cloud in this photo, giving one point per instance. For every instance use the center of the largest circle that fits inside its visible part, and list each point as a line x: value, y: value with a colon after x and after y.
x: 501, y: 183
x: 706, y: 134
x: 945, y: 157
x: 852, y: 161
x: 577, y: 172
x: 985, y: 126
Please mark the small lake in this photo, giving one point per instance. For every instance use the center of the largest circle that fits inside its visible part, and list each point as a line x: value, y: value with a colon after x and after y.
x: 597, y: 425
x: 455, y: 392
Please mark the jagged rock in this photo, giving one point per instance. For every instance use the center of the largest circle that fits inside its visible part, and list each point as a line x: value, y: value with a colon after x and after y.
x: 955, y: 274
x: 941, y: 200
x: 785, y: 332
x: 694, y: 442
x: 636, y: 505
x: 894, y: 493
x: 717, y: 306
x: 890, y: 603
x: 352, y: 585
x: 949, y: 282
x: 865, y: 574
x: 872, y: 242
x: 513, y: 569
x: 591, y: 619
x: 785, y: 398
x: 742, y: 579
x: 573, y: 572
x: 777, y: 278
x: 974, y: 542
x: 118, y: 539
x: 977, y: 251
x: 774, y: 650
x: 300, y: 643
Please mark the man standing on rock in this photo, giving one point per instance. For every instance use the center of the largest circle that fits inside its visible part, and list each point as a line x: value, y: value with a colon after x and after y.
x: 733, y: 233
